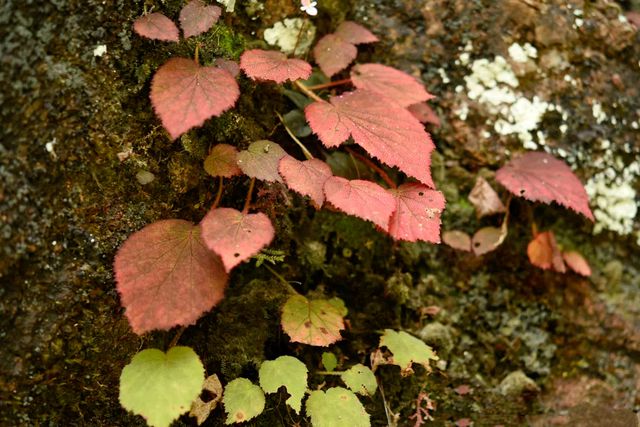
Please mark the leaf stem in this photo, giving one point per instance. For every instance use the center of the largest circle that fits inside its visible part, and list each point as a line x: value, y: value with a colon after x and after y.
x: 247, y: 202
x: 295, y: 47
x: 373, y: 166
x: 282, y: 279
x: 306, y: 152
x: 329, y: 372
x: 219, y: 195
x: 330, y: 84
x: 175, y: 339
x: 196, y: 55
x: 306, y: 91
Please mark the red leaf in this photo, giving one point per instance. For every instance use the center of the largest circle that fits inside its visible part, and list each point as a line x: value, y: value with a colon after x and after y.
x: 231, y: 66
x: 485, y: 199
x: 577, y: 263
x: 354, y: 33
x: 389, y: 83
x: 222, y: 161
x: 234, y: 235
x: 543, y: 252
x: 457, y: 240
x: 540, y: 177
x: 363, y: 199
x: 156, y: 26
x: 184, y: 94
x: 261, y: 160
x: 417, y: 213
x: 385, y: 130
x: 332, y: 54
x: 307, y: 177
x: 423, y: 112
x: 271, y: 65
x: 487, y: 239
x: 166, y: 276
x: 197, y: 18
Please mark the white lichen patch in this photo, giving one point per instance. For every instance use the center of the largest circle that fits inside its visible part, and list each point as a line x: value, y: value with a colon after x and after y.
x: 615, y: 207
x: 598, y: 114
x: 228, y: 4
x: 100, y: 50
x: 522, y: 53
x: 284, y: 34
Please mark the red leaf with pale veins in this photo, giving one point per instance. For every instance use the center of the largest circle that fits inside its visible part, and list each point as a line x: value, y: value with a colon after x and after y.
x: 354, y: 33
x: 543, y: 252
x: 166, y: 276
x: 417, y: 213
x: 234, y: 235
x: 485, y: 199
x: 332, y: 54
x: 222, y: 161
x: 306, y: 177
x: 261, y: 160
x: 364, y: 199
x: 156, y: 26
x: 390, y: 83
x: 197, y: 18
x: 457, y: 240
x: 577, y: 263
x: 383, y: 129
x: 184, y: 94
x: 540, y: 177
x: 423, y: 112
x: 275, y: 66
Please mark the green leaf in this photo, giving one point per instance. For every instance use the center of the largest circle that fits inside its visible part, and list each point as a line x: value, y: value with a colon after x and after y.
x: 285, y: 371
x: 407, y: 350
x: 339, y: 305
x: 329, y: 361
x: 161, y: 386
x: 338, y: 407
x: 360, y: 379
x: 242, y: 400
x: 315, y: 322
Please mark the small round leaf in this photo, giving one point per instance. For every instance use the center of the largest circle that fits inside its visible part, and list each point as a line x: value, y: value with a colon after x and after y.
x: 285, y: 371
x: 242, y: 400
x: 338, y: 407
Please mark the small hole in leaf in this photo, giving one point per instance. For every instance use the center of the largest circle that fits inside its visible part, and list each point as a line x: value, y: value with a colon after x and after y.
x: 522, y: 191
x: 476, y: 244
x: 421, y: 193
x: 236, y: 255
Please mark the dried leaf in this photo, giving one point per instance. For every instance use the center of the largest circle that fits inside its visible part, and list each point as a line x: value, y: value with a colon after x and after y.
x: 417, y: 213
x: 389, y: 83
x: 384, y: 130
x: 234, y: 235
x: 184, y: 94
x: 487, y: 239
x: 333, y: 54
x: 354, y: 33
x: 273, y: 65
x: 485, y: 199
x: 364, y: 199
x: 167, y: 277
x: 577, y: 263
x: 540, y: 177
x: 156, y: 26
x: 314, y: 322
x: 306, y: 177
x: 200, y: 409
x: 197, y: 18
x: 457, y: 240
x: 261, y: 160
x: 222, y: 161
x: 543, y: 252
x: 424, y: 113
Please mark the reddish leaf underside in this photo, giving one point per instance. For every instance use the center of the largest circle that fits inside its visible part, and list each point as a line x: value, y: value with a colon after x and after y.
x: 272, y: 65
x: 306, y: 177
x: 364, y: 199
x: 487, y: 239
x: 222, y: 161
x: 417, y: 213
x: 385, y: 130
x: 485, y: 199
x: 197, y: 18
x: 184, y: 94
x: 457, y: 240
x: 261, y: 160
x: 423, y: 112
x: 577, y: 263
x: 389, y: 83
x: 166, y: 276
x: 543, y: 252
x: 332, y: 54
x: 156, y: 26
x: 234, y: 235
x: 231, y: 66
x: 354, y: 33
x: 540, y: 177
x: 313, y: 322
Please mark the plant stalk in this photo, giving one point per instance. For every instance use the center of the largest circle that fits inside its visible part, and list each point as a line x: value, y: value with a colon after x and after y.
x: 311, y: 94
x: 306, y: 152
x: 330, y: 84
x: 247, y: 202
x: 373, y: 166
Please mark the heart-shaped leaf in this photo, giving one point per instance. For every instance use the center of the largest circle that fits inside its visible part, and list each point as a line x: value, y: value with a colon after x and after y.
x: 338, y: 407
x: 333, y: 54
x: 485, y: 199
x: 222, y: 161
x: 161, y: 386
x: 234, y: 235
x: 364, y: 199
x: 417, y: 213
x: 285, y: 371
x: 543, y: 252
x: 540, y: 177
x: 272, y: 65
x: 166, y: 276
x: 385, y: 130
x: 360, y: 379
x: 354, y: 33
x: 407, y: 350
x: 156, y: 26
x: 242, y: 401
x: 184, y: 94
x: 307, y: 177
x: 390, y: 83
x: 314, y: 322
x: 197, y: 18
x: 261, y: 160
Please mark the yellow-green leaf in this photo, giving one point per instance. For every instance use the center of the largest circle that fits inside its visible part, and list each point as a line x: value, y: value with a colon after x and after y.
x: 285, y: 371
x: 338, y: 407
x: 242, y: 400
x: 407, y: 350
x: 360, y: 379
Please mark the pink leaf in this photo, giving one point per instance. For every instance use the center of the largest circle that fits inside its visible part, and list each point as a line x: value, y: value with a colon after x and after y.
x: 423, y: 112
x: 167, y: 277
x: 307, y: 177
x: 156, y: 26
x: 197, y: 18
x: 543, y: 252
x: 234, y: 235
x: 184, y: 94
x: 332, y: 54
x: 540, y: 177
x: 363, y: 199
x: 389, y: 83
x: 485, y: 199
x: 487, y: 239
x: 354, y: 33
x: 271, y: 65
x: 261, y: 160
x: 222, y: 161
x: 384, y: 129
x: 231, y: 66
x: 417, y: 213
x: 457, y: 240
x: 577, y: 263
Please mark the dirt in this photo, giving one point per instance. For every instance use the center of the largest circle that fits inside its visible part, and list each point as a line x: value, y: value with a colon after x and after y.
x: 518, y: 345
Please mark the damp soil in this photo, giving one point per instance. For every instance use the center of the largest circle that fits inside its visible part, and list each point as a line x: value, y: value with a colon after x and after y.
x: 518, y: 345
